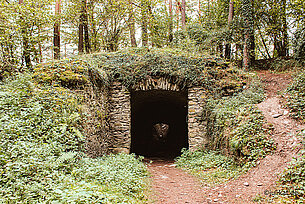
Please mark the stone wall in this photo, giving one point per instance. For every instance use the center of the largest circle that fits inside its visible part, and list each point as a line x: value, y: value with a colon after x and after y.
x: 196, y: 125
x: 94, y: 120
x: 120, y: 118
x: 120, y: 113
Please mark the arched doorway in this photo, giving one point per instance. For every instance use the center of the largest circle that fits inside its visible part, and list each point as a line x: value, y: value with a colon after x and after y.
x: 152, y: 107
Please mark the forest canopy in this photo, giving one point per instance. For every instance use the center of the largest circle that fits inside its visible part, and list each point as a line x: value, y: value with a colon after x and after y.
x: 32, y: 32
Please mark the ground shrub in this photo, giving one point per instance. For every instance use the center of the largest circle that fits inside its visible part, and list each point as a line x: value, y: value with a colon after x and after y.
x: 237, y: 131
x: 279, y: 64
x: 236, y: 125
x: 41, y: 152
x: 296, y: 97
x: 293, y: 179
x: 211, y: 167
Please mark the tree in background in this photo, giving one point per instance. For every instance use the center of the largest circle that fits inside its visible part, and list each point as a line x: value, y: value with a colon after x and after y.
x: 230, y: 19
x: 108, y: 25
x: 248, y: 30
x: 144, y: 21
x: 56, y: 40
x: 26, y: 55
x: 170, y: 21
x: 131, y: 25
x: 271, y: 21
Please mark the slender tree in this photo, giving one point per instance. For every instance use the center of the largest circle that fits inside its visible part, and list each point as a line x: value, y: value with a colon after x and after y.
x: 281, y: 43
x: 230, y: 19
x: 144, y: 19
x: 86, y: 27
x: 248, y: 52
x: 170, y: 23
x: 183, y: 10
x: 56, y: 39
x: 81, y: 33
x: 93, y: 24
x: 26, y: 53
x: 131, y: 25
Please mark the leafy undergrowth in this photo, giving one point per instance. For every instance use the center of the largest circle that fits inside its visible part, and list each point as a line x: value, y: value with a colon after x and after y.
x: 291, y: 185
x: 41, y: 152
x: 210, y: 166
x: 293, y: 179
x: 237, y: 126
x: 296, y: 97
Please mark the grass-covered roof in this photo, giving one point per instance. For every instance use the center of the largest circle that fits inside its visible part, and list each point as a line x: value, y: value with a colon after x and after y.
x: 135, y: 65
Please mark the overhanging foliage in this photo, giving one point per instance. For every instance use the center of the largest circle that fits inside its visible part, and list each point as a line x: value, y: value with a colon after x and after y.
x: 135, y: 65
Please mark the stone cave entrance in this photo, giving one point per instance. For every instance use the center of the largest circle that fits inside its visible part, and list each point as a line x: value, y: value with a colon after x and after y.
x: 152, y: 107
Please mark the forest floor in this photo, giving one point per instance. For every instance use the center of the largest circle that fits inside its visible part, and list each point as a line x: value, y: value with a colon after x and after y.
x: 172, y: 185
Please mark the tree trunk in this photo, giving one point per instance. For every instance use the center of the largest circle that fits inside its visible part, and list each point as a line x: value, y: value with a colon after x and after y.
x: 264, y: 44
x: 56, y: 39
x: 249, y: 46
x: 220, y: 49
x: 177, y: 13
x: 26, y: 53
x: 144, y: 11
x: 230, y: 19
x: 183, y: 10
x: 131, y: 25
x: 199, y: 8
x: 94, y: 36
x: 284, y: 42
x: 85, y: 25
x: 80, y: 37
x: 170, y: 26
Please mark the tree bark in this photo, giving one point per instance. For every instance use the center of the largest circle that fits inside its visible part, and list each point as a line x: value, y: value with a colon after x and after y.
x: 85, y: 24
x: 170, y: 26
x: 183, y: 10
x: 26, y: 53
x: 264, y: 43
x: 80, y: 37
x: 56, y: 39
x: 230, y: 19
x: 94, y: 35
x: 144, y: 11
x: 131, y: 24
x: 249, y: 45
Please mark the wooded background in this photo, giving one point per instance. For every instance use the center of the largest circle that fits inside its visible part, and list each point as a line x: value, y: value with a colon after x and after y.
x: 33, y: 31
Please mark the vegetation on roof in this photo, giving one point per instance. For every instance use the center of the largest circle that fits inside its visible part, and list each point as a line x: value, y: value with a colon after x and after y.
x: 134, y: 65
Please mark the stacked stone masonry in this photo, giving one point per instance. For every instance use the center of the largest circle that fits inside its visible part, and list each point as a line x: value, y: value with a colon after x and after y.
x: 120, y: 118
x: 120, y: 113
x: 196, y: 123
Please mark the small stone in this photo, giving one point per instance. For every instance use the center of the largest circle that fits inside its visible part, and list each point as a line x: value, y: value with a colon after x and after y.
x: 216, y: 200
x: 173, y: 165
x: 277, y: 115
x: 246, y: 184
x: 259, y: 184
x: 219, y: 195
x: 286, y: 112
x: 237, y: 196
x: 164, y: 177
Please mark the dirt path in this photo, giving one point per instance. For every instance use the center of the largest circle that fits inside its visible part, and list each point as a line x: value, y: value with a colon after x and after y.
x: 172, y: 185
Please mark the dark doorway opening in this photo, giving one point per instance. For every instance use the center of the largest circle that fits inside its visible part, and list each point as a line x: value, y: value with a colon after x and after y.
x: 150, y: 109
